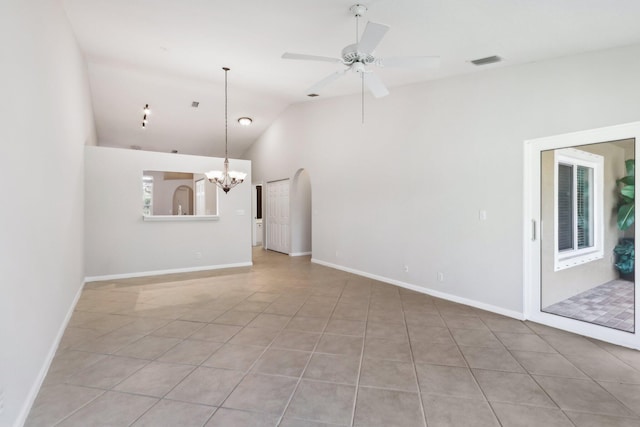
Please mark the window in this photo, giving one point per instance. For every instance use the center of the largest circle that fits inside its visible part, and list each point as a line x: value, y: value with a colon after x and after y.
x: 578, y: 208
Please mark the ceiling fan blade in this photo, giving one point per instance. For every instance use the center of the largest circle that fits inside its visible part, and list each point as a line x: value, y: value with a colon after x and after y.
x: 410, y: 62
x: 304, y: 57
x: 375, y: 85
x: 322, y: 83
x: 372, y: 36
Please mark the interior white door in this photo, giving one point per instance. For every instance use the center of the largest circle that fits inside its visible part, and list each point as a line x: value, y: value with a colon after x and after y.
x: 278, y: 218
x: 549, y: 280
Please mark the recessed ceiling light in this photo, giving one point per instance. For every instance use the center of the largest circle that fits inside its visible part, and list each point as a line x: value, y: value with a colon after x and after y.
x: 245, y: 121
x: 488, y: 60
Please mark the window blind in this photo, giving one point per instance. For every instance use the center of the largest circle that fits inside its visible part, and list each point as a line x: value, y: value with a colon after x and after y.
x: 565, y: 207
x: 585, y: 218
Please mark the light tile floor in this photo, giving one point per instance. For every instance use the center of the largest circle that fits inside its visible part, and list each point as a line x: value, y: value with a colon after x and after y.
x: 294, y: 344
x: 611, y: 304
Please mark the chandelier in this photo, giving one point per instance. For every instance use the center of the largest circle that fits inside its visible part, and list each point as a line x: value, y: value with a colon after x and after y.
x: 226, y: 179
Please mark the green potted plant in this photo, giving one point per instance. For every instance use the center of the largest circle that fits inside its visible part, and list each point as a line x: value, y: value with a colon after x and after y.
x: 625, y: 249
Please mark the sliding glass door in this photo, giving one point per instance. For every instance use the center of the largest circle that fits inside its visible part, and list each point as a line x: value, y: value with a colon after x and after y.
x: 580, y: 233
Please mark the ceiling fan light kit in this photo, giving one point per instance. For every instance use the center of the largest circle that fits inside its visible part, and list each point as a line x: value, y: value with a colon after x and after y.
x: 226, y: 179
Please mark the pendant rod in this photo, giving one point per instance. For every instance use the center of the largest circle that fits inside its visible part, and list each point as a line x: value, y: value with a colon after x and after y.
x: 226, y: 131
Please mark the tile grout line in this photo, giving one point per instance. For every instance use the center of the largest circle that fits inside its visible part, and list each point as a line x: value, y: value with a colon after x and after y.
x: 364, y: 342
x: 147, y: 364
x: 281, y: 418
x: 113, y: 354
x: 248, y: 371
x: 540, y: 385
x: 469, y: 366
x: 552, y: 376
x: 86, y: 404
x: 612, y: 354
x: 194, y: 367
x: 413, y: 362
x: 105, y: 354
x: 580, y: 370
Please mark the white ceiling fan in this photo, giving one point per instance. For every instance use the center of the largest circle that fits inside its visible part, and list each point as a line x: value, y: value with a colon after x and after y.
x: 359, y: 55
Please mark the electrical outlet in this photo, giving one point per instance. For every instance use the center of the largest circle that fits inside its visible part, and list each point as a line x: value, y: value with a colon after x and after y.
x: 406, y: 269
x: 440, y: 276
x: 482, y: 215
x: 198, y: 255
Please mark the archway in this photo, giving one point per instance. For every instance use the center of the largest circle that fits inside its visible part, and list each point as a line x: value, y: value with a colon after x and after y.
x: 183, y: 200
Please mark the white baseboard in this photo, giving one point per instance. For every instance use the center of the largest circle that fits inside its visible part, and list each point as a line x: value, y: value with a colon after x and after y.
x: 161, y: 272
x: 35, y: 388
x: 300, y: 254
x: 427, y: 291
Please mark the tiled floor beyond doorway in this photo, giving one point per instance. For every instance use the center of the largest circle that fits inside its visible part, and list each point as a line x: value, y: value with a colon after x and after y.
x: 611, y: 304
x: 290, y: 343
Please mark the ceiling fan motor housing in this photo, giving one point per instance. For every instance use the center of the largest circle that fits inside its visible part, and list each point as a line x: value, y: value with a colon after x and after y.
x: 351, y: 55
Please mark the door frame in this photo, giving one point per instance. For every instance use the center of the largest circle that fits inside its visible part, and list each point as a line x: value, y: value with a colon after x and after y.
x: 531, y: 233
x: 254, y: 213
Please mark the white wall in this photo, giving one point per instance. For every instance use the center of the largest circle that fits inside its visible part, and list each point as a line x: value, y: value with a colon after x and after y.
x: 45, y: 121
x: 119, y: 242
x: 406, y: 187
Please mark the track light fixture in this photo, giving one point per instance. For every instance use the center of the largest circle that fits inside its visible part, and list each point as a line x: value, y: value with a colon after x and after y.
x: 146, y: 111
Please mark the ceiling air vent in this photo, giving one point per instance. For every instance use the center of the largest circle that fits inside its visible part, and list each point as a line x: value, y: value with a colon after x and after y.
x: 195, y: 104
x: 487, y: 60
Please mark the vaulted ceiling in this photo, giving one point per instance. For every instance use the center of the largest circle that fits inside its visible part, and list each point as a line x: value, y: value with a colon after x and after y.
x: 169, y: 53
